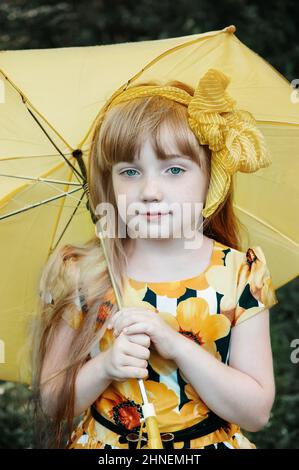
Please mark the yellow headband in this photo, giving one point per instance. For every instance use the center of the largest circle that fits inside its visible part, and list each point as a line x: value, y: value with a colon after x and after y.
x: 231, y: 134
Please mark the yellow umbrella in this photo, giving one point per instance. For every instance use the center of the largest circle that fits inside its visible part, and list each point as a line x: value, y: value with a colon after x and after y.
x: 50, y: 99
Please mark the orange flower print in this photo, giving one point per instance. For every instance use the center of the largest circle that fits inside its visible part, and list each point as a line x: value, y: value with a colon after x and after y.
x: 194, y: 321
x: 115, y: 405
x: 197, y: 323
x: 195, y: 410
x: 219, y: 278
x: 103, y: 313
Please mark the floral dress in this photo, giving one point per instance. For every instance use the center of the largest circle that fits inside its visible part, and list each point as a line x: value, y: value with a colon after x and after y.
x: 234, y: 287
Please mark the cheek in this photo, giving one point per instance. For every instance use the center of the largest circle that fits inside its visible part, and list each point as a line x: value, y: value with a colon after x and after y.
x: 199, y: 186
x: 192, y: 189
x: 191, y: 196
x: 123, y: 192
x: 121, y: 197
x: 118, y: 185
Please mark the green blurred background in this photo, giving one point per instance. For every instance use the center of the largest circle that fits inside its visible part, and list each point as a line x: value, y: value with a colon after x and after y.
x: 270, y: 29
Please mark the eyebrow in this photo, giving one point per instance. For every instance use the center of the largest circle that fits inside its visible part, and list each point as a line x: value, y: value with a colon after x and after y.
x: 171, y: 156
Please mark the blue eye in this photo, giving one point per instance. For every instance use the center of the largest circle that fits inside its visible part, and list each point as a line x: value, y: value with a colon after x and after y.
x: 125, y: 172
x: 130, y: 169
x: 176, y: 168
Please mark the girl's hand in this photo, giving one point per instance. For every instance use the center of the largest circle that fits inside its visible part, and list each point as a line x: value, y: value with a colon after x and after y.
x: 127, y: 357
x: 133, y: 320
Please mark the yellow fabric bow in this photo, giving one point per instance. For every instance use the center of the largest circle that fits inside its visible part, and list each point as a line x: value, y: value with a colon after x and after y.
x: 236, y: 143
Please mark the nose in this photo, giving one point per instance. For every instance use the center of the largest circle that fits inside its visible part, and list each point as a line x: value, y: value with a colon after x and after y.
x: 151, y: 190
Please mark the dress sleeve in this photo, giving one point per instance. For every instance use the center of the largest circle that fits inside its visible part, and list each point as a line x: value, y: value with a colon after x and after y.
x: 59, y: 279
x: 255, y: 290
x: 73, y: 314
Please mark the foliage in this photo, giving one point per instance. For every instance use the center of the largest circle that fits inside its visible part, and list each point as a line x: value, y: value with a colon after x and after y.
x: 15, y: 417
x: 269, y: 28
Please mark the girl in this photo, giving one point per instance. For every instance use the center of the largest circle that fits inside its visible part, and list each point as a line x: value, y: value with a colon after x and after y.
x: 182, y: 327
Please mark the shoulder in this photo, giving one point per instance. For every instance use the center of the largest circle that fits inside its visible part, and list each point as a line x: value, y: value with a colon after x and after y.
x: 248, y: 283
x: 254, y: 287
x: 245, y: 262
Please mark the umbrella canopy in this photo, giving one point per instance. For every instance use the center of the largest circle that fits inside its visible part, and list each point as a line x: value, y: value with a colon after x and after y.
x: 49, y: 101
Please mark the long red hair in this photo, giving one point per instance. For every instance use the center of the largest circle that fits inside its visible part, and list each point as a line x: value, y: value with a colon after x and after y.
x: 118, y: 138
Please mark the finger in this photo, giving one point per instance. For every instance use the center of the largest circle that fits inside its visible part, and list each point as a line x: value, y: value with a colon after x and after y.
x: 145, y: 328
x: 123, y: 311
x: 138, y: 351
x: 112, y: 319
x: 123, y: 322
x: 134, y: 362
x: 135, y: 372
x: 142, y: 339
x: 128, y: 311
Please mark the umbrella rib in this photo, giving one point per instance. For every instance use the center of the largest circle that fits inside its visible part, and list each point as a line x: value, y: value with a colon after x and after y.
x: 26, y: 100
x: 45, y: 201
x: 71, y: 217
x: 41, y: 179
x: 27, y: 103
x: 267, y: 225
x: 57, y: 148
x: 5, y: 159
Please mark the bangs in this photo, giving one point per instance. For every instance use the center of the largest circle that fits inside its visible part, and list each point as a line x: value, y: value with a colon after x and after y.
x: 127, y: 125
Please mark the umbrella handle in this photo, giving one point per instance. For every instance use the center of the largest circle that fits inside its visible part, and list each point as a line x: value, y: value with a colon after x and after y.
x: 154, y: 438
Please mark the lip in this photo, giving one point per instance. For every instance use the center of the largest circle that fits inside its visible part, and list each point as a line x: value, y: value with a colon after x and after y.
x: 154, y: 215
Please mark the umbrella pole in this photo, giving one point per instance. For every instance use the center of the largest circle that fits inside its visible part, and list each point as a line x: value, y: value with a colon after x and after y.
x: 154, y: 439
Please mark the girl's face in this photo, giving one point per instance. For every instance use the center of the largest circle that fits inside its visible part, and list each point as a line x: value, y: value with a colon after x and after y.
x: 175, y: 188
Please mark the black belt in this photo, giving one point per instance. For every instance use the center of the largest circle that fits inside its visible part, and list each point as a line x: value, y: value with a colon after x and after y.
x: 208, y: 425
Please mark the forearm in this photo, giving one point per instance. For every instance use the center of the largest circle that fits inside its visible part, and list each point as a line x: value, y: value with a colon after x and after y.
x: 230, y: 393
x: 91, y: 381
